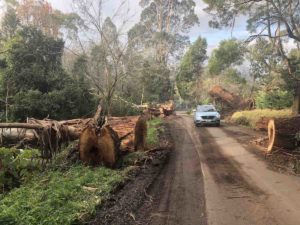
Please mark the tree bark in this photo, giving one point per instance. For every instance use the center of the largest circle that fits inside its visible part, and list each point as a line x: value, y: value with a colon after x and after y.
x: 21, y: 125
x: 296, y: 103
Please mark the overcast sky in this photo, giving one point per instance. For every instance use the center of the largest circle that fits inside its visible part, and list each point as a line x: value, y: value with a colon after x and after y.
x: 213, y: 36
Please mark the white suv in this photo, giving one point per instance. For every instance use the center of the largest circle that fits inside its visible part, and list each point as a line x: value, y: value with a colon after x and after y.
x: 206, y: 115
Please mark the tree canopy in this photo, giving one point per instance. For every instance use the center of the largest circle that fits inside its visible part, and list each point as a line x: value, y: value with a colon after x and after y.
x: 191, y: 67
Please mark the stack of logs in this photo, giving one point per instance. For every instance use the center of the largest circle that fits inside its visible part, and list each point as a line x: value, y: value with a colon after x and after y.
x: 161, y: 110
x: 118, y: 134
x: 282, y: 132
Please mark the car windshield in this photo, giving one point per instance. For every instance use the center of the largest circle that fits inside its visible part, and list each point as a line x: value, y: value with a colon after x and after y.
x: 206, y: 108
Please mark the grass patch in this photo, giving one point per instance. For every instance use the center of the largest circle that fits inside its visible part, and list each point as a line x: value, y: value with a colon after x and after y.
x: 59, y: 197
x: 153, y: 131
x: 249, y: 118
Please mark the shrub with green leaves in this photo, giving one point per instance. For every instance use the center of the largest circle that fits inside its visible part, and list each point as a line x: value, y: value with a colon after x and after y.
x: 276, y: 99
x: 17, y: 165
x: 250, y: 117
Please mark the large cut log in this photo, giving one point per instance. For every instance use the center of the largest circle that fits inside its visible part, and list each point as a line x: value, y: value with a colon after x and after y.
x: 282, y: 133
x: 14, y: 133
x: 21, y: 125
x: 221, y: 94
x: 230, y: 102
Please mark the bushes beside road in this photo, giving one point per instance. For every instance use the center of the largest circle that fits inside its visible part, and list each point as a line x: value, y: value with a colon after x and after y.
x: 249, y: 118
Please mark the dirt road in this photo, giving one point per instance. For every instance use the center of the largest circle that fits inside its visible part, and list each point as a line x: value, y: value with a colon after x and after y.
x: 212, y: 179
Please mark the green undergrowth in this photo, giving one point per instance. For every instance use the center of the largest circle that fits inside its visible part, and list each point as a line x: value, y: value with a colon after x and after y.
x: 250, y: 118
x: 65, y: 191
x: 59, y: 197
x: 17, y: 166
x: 153, y: 131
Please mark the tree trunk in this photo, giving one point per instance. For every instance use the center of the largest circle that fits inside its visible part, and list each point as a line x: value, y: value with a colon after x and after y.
x: 296, y: 105
x: 282, y: 133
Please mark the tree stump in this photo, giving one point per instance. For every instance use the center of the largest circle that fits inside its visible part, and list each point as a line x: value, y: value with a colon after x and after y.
x: 282, y: 133
x: 99, y: 147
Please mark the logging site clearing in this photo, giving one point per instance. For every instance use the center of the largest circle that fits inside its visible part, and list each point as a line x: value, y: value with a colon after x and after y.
x: 149, y: 112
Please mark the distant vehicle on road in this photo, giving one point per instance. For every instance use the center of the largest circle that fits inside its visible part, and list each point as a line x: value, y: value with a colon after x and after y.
x: 206, y: 115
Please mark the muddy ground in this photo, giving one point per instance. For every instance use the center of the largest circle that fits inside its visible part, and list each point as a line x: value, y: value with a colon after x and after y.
x: 126, y: 203
x: 283, y: 161
x: 211, y: 175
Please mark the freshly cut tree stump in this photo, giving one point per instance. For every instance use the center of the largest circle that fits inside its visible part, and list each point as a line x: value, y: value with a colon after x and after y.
x: 282, y: 133
x: 99, y: 147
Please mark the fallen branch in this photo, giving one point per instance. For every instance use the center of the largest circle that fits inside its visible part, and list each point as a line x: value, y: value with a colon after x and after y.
x: 21, y: 125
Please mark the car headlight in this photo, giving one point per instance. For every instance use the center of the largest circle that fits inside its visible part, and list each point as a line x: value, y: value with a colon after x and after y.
x: 218, y: 116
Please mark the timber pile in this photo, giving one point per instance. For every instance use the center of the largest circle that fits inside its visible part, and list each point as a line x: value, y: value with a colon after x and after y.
x: 229, y: 101
x: 160, y: 110
x: 123, y: 126
x: 282, y: 133
x: 167, y: 109
x: 33, y: 133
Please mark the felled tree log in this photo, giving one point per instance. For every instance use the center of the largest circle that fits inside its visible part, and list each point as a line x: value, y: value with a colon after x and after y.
x: 282, y: 133
x: 221, y: 94
x: 21, y: 125
x: 123, y: 126
x: 49, y: 137
x: 230, y: 101
x: 14, y: 133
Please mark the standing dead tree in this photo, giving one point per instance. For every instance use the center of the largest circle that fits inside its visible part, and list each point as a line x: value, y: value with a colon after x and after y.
x: 107, y: 61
